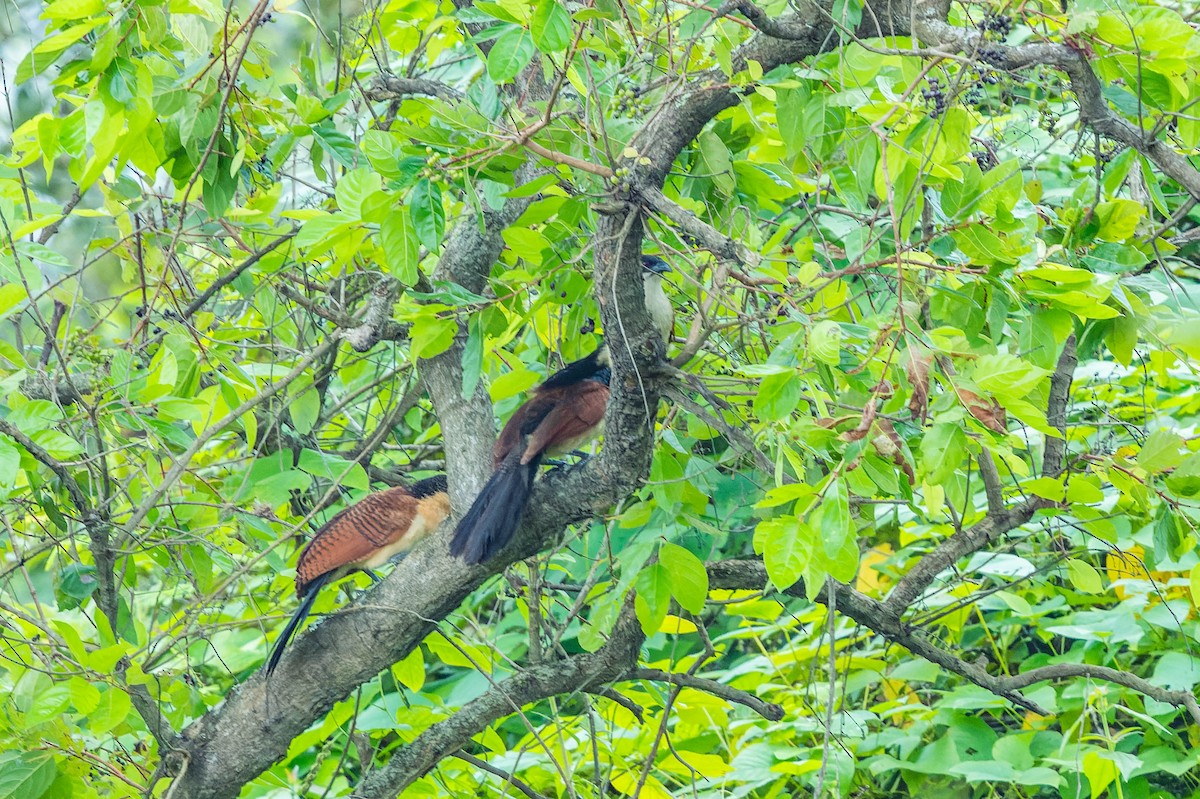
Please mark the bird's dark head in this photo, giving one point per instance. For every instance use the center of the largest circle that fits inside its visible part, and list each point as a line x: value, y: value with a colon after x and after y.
x: 428, y: 487
x: 652, y: 264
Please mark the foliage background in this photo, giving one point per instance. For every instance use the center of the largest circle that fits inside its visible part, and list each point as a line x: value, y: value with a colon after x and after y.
x: 257, y: 259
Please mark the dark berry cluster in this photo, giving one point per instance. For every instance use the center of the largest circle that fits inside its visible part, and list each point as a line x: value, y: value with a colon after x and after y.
x: 985, y: 158
x: 996, y: 27
x: 628, y: 102
x: 992, y: 56
x: 935, y: 96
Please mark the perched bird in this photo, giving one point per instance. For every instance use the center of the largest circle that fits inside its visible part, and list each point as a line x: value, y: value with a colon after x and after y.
x: 662, y: 313
x: 564, y: 413
x: 364, y: 536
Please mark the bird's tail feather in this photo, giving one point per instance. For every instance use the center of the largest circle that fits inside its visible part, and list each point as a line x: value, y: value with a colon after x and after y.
x: 300, y: 615
x: 493, y: 518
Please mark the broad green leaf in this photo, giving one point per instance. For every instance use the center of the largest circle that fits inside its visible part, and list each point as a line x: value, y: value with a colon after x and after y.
x: 336, y: 143
x: 1007, y: 376
x: 786, y: 546
x: 85, y: 697
x: 1161, y: 451
x: 304, y: 409
x: 510, y: 53
x: 653, y: 598
x: 825, y: 342
x: 942, y: 451
x: 26, y: 775
x: 353, y: 188
x: 428, y: 215
x: 410, y: 672
x: 432, y: 335
x: 1084, y: 576
x: 779, y: 395
x: 112, y: 711
x: 550, y: 26
x: 472, y: 359
x: 689, y: 580
x: 11, y: 295
x: 47, y: 705
x: 10, y: 462
x: 401, y: 248
x: 831, y: 519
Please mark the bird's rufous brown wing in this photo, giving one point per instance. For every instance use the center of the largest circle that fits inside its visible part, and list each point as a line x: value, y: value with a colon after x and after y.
x: 376, y: 522
x: 576, y: 412
x: 522, y: 423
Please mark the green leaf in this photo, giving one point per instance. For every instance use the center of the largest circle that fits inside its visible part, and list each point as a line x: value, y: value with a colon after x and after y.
x: 551, y: 27
x: 778, y: 396
x: 432, y: 335
x: 653, y: 598
x: 428, y: 215
x: 336, y: 143
x: 11, y: 295
x: 47, y: 705
x: 113, y: 709
x: 510, y: 54
x: 689, y: 579
x: 401, y: 250
x: 1007, y: 375
x: 410, y: 672
x: 526, y: 243
x: 10, y: 462
x: 353, y: 188
x: 1162, y: 450
x: 786, y: 546
x: 942, y: 452
x: 825, y: 342
x: 304, y: 410
x: 831, y: 519
x: 1176, y: 671
x: 1084, y: 576
x: 1167, y: 539
x: 472, y: 359
x: 1100, y: 771
x: 76, y: 583
x: 26, y: 775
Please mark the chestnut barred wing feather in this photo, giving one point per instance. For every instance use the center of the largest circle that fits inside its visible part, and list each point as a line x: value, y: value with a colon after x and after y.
x: 360, y: 533
x: 520, y: 425
x: 569, y: 424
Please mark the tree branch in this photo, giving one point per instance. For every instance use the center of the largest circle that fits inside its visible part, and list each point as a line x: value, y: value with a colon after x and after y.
x: 722, y: 246
x: 931, y: 27
x: 768, y: 710
x: 1054, y: 456
x: 233, y: 274
x: 752, y: 574
x: 997, y: 522
x: 391, y: 87
x: 96, y: 523
x: 553, y: 678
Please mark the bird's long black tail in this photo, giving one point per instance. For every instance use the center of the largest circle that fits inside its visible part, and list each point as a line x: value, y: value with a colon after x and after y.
x: 300, y: 615
x: 496, y: 513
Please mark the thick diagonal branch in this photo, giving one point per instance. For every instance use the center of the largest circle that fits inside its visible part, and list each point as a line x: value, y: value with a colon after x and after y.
x: 995, y: 523
x: 931, y: 27
x: 554, y: 678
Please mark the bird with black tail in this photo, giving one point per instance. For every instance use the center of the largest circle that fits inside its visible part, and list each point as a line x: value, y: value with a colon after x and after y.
x: 362, y: 537
x: 564, y: 413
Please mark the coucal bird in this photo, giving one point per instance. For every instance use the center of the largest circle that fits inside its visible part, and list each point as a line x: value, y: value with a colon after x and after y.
x: 364, y: 536
x: 564, y: 413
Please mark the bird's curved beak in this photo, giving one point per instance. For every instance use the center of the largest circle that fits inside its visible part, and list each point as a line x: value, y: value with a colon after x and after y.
x: 654, y: 264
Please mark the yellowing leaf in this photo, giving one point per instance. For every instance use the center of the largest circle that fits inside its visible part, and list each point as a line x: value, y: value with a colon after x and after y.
x: 627, y: 783
x: 673, y: 625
